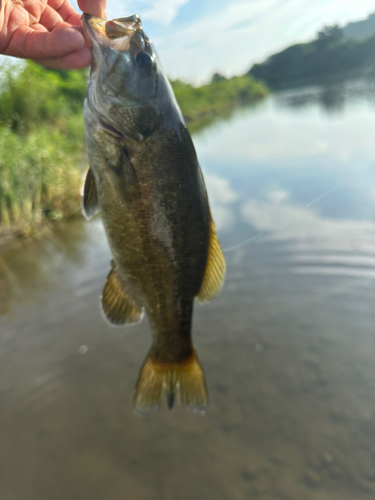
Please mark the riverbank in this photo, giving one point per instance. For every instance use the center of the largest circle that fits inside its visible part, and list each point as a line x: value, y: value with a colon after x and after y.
x: 42, y: 153
x: 203, y: 105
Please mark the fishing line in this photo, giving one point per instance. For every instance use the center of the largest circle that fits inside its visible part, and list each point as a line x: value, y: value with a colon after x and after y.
x: 257, y: 236
x: 323, y: 196
x: 240, y: 245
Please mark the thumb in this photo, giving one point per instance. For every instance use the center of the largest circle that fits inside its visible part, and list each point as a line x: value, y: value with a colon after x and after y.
x: 95, y: 8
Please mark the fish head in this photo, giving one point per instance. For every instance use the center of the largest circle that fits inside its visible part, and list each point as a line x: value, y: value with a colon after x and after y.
x: 125, y: 72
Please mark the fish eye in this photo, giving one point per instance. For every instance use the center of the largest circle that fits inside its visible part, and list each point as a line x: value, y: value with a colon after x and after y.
x: 144, y: 61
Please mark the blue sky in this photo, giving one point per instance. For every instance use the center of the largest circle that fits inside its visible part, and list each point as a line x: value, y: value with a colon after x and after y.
x: 195, y: 38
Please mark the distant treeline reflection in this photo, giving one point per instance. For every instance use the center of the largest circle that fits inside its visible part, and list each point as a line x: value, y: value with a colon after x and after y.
x: 332, y: 98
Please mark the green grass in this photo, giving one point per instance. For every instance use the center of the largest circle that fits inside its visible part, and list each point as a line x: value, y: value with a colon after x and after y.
x: 202, y: 105
x: 42, y: 154
x: 41, y: 144
x: 39, y: 176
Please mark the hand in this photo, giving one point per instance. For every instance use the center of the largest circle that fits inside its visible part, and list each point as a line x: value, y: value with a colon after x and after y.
x: 48, y: 31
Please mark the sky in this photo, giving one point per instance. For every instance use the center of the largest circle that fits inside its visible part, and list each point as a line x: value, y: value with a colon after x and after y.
x: 195, y: 38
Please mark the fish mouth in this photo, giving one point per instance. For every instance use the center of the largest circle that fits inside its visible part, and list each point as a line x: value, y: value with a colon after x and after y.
x: 123, y: 26
x: 93, y: 28
x: 117, y: 33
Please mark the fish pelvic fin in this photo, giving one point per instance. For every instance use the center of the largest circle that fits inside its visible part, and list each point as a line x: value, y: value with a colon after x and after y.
x: 90, y: 203
x: 214, y: 275
x: 185, y: 378
x: 118, y: 305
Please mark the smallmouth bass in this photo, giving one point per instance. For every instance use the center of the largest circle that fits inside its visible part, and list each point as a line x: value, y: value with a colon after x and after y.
x: 145, y: 179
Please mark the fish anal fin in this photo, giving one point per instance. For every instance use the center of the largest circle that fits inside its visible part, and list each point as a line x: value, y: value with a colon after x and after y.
x: 215, y: 269
x: 118, y: 305
x: 185, y: 378
x: 90, y: 204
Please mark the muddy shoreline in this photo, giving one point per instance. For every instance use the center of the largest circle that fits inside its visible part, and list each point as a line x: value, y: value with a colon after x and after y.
x: 15, y: 236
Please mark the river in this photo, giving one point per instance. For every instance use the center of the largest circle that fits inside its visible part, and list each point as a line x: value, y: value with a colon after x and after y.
x: 288, y: 347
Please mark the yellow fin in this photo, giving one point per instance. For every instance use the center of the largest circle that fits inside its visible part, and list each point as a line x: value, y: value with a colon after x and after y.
x: 90, y: 204
x: 186, y: 377
x: 118, y: 306
x: 215, y: 270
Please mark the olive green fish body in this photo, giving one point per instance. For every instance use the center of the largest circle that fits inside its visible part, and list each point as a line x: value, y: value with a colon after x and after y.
x: 146, y: 181
x: 155, y: 211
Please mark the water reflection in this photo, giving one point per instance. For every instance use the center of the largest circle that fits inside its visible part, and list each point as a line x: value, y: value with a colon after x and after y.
x: 332, y: 98
x: 33, y: 266
x: 288, y: 347
x: 221, y: 197
x: 306, y: 230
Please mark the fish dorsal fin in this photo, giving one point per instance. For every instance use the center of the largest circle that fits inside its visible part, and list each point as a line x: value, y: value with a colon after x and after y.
x: 118, y: 305
x: 90, y: 205
x: 215, y: 269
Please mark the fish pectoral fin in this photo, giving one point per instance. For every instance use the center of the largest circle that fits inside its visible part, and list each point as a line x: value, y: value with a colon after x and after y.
x: 90, y: 204
x: 215, y: 269
x: 185, y: 378
x: 118, y: 305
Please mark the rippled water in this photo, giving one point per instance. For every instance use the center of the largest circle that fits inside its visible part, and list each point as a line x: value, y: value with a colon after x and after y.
x: 288, y: 347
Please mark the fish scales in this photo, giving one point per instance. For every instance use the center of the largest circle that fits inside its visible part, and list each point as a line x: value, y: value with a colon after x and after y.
x: 146, y: 181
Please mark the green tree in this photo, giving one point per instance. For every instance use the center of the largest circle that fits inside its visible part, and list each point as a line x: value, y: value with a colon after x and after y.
x: 329, y: 35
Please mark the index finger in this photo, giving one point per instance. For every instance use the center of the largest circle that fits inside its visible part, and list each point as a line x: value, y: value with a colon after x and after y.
x: 95, y: 8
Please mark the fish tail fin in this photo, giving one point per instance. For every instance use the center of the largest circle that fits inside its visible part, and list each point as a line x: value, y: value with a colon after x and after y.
x: 185, y: 377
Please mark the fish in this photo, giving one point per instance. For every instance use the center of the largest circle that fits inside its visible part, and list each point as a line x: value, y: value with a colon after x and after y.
x: 145, y: 180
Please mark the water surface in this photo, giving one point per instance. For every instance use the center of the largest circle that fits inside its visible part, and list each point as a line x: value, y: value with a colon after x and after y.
x: 288, y: 346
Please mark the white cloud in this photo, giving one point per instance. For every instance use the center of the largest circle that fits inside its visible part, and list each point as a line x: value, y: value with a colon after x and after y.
x: 163, y: 12
x: 230, y: 40
x: 220, y: 195
x: 160, y: 12
x: 223, y: 217
x: 311, y: 236
x: 219, y: 190
x: 278, y: 195
x: 316, y: 245
x: 276, y: 134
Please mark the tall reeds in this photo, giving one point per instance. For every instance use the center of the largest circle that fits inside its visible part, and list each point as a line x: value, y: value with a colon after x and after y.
x: 41, y: 144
